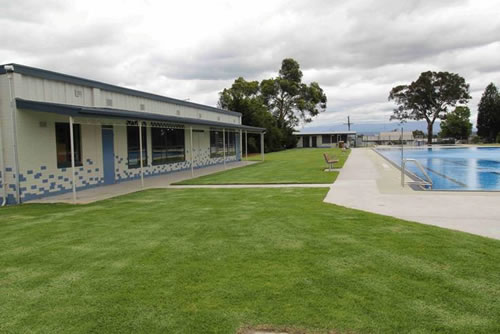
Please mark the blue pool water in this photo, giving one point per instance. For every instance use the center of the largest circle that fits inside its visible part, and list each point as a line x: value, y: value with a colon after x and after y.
x: 471, y: 168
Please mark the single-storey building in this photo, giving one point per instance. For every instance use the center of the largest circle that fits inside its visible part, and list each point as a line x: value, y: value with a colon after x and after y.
x: 325, y: 139
x: 389, y: 138
x: 62, y: 133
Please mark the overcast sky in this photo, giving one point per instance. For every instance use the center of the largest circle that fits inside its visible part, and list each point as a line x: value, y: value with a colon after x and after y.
x: 356, y: 50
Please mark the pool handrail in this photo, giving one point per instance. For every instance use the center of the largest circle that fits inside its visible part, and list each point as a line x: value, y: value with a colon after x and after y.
x: 427, y: 182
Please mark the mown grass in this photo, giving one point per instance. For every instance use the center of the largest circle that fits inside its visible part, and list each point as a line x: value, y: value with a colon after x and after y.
x: 216, y: 260
x: 290, y: 166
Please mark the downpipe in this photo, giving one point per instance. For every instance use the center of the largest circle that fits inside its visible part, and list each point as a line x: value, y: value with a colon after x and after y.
x: 10, y: 75
x: 2, y: 162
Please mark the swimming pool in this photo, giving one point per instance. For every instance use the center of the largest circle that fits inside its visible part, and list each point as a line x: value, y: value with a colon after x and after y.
x: 464, y: 168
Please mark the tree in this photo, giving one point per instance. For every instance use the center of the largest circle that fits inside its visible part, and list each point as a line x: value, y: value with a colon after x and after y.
x: 488, y: 118
x: 278, y: 104
x: 244, y: 97
x: 290, y: 100
x: 456, y: 124
x: 418, y: 134
x: 429, y: 97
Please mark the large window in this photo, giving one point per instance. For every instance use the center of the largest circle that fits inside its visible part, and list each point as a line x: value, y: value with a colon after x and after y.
x: 326, y: 139
x: 168, y: 145
x: 63, y: 145
x: 133, y: 146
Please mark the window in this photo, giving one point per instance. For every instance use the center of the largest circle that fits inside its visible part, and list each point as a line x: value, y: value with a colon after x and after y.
x: 230, y: 143
x: 216, y: 144
x: 133, y: 146
x: 326, y: 139
x: 168, y: 145
x: 63, y: 145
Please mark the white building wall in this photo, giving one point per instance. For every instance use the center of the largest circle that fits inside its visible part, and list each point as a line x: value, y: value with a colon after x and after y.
x: 32, y: 88
x: 38, y: 172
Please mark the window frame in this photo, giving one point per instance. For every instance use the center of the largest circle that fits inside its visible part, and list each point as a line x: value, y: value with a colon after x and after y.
x: 216, y: 143
x: 230, y: 143
x: 129, y: 128
x: 163, y: 145
x: 77, y: 140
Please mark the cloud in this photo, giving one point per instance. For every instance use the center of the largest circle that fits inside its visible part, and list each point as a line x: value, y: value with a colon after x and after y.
x: 356, y: 50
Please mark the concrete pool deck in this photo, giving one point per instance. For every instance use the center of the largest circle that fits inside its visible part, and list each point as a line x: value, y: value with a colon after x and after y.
x: 369, y: 182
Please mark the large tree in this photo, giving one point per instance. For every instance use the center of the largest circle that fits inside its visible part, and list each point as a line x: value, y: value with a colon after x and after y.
x: 429, y: 97
x: 457, y: 124
x: 244, y: 97
x: 289, y: 99
x: 488, y: 118
x: 278, y: 104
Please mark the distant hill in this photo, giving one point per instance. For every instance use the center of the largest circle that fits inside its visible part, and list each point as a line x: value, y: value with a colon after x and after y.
x: 373, y: 128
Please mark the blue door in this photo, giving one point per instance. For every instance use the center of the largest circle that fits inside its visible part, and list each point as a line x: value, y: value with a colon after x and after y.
x: 108, y: 155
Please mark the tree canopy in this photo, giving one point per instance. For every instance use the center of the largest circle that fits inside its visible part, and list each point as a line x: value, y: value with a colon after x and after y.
x: 488, y: 118
x: 429, y: 97
x: 456, y: 124
x: 288, y: 99
x: 277, y: 104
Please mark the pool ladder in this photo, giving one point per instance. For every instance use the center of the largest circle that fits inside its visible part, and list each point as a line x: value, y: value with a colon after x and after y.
x: 424, y: 184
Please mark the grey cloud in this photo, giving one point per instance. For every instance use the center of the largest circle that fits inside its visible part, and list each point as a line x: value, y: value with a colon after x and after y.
x: 356, y: 50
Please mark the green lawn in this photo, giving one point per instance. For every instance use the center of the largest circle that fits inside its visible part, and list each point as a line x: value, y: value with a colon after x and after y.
x: 216, y: 260
x: 290, y: 166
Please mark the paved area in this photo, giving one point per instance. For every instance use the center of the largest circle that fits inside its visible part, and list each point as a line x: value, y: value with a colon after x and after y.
x: 368, y: 182
x: 160, y: 181
x: 266, y: 185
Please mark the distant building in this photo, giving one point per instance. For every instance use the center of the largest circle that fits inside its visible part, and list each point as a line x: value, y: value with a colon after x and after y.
x: 326, y: 138
x: 389, y: 138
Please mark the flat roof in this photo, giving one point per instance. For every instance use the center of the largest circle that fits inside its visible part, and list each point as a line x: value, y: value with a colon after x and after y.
x: 80, y: 111
x: 50, y: 75
x: 324, y: 133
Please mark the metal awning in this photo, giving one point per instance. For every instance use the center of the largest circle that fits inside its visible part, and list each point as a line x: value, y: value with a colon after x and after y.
x: 82, y: 111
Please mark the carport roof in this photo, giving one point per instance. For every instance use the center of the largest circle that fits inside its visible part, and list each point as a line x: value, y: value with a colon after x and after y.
x: 82, y: 111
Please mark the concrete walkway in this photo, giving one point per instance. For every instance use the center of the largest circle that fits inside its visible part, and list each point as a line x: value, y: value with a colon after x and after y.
x: 368, y: 182
x: 126, y: 187
x: 266, y: 185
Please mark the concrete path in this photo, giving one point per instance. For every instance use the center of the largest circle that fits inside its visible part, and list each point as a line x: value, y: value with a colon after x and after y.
x: 126, y: 187
x: 368, y: 182
x: 266, y: 185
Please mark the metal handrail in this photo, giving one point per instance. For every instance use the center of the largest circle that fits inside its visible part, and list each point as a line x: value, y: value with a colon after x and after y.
x: 423, y: 182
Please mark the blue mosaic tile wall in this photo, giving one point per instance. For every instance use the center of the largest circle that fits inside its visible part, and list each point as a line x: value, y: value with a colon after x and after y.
x: 42, y: 182
x: 203, y: 159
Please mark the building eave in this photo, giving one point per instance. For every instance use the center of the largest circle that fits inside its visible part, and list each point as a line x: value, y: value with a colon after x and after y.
x: 80, y: 111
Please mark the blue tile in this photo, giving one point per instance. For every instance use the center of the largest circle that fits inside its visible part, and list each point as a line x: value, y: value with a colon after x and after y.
x: 38, y: 175
x: 29, y: 172
x: 8, y: 169
x: 43, y: 167
x: 51, y: 176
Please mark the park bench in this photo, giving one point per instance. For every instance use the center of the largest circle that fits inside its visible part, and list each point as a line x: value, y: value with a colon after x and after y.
x: 329, y: 161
